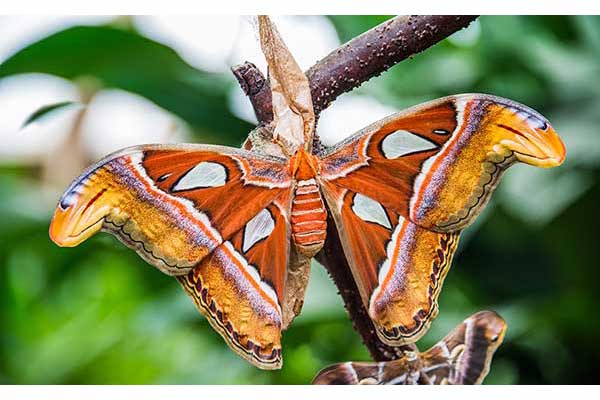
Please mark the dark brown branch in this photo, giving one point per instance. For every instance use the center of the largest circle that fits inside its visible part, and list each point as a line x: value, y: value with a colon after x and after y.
x: 357, y: 61
x: 346, y: 68
x: 376, y: 51
x: 332, y: 258
x: 257, y: 88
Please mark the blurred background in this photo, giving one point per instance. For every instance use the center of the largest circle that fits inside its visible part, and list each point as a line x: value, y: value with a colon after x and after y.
x: 98, y: 314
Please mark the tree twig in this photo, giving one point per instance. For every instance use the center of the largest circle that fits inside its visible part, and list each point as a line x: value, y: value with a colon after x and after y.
x: 257, y: 88
x: 377, y: 50
x: 332, y: 258
x: 344, y: 69
x: 357, y: 61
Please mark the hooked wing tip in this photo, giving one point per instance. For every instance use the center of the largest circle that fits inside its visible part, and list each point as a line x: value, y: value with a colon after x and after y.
x: 527, y: 134
x: 66, y: 230
x: 80, y: 214
x: 493, y: 324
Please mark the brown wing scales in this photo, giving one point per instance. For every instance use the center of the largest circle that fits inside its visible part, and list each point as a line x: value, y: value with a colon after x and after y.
x: 462, y: 357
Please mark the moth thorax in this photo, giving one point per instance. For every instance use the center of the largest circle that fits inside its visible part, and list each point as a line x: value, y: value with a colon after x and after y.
x: 304, y: 166
x: 309, y: 218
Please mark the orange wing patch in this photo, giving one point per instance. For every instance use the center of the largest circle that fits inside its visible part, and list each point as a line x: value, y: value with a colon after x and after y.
x: 410, y: 279
x: 231, y: 189
x: 457, y: 182
x: 438, y: 163
x: 399, y: 267
x: 240, y: 287
x: 239, y: 305
x: 116, y: 196
x: 383, y: 160
x: 172, y: 204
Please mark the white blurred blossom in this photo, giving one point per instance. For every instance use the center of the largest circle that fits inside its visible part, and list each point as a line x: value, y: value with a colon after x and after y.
x: 204, y: 41
x: 347, y: 115
x: 117, y: 119
x: 215, y: 43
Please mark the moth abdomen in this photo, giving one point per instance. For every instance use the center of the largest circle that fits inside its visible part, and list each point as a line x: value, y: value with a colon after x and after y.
x: 308, y: 218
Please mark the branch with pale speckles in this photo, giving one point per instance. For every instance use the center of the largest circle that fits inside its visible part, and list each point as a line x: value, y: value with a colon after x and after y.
x: 357, y: 61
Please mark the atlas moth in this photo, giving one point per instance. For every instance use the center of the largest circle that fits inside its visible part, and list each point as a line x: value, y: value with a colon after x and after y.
x: 237, y: 227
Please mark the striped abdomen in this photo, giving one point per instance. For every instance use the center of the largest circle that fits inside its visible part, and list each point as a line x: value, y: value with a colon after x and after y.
x: 309, y: 218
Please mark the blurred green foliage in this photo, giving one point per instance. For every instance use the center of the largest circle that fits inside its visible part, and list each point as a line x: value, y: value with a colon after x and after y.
x: 123, y: 59
x: 98, y: 314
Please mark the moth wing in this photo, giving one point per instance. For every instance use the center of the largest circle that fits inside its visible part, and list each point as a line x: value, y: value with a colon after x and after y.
x: 437, y: 163
x: 464, y: 356
x: 402, y: 189
x: 337, y: 374
x: 215, y: 217
x: 173, y: 204
x: 365, y: 373
x: 240, y: 287
x: 398, y: 266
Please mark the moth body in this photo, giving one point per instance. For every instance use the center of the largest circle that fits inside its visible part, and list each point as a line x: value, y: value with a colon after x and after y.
x: 308, y: 214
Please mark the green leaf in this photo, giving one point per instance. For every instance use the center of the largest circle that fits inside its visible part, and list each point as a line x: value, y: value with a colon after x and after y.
x: 126, y: 60
x: 46, y: 110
